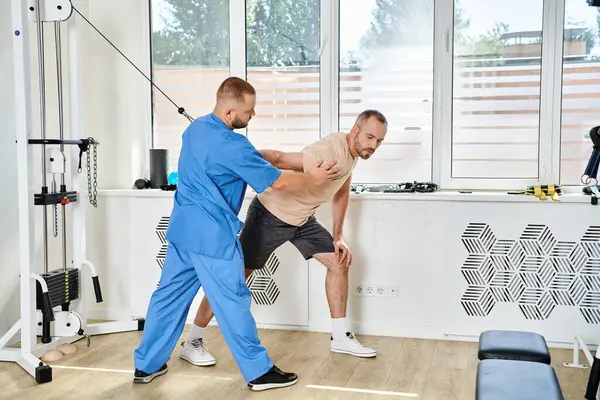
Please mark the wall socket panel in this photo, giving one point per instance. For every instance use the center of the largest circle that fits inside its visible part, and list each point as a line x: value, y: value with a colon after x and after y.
x: 375, y: 290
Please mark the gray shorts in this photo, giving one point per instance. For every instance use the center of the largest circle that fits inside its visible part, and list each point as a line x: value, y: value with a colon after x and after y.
x: 263, y: 233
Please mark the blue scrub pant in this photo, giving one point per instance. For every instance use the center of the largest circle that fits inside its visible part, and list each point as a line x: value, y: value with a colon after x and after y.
x: 224, y: 284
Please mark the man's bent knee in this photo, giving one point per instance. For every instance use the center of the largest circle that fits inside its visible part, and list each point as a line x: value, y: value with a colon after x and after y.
x: 330, y: 261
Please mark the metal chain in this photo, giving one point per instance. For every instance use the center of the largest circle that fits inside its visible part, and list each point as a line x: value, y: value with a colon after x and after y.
x: 95, y: 175
x: 92, y: 194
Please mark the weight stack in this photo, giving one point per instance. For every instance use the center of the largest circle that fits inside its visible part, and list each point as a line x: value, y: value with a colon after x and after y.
x: 159, y: 166
x: 63, y: 287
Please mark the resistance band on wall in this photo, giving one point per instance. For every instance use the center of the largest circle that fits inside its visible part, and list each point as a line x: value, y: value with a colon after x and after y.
x: 180, y: 110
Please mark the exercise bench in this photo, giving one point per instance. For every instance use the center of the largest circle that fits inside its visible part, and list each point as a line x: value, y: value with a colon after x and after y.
x: 513, y: 345
x: 515, y: 365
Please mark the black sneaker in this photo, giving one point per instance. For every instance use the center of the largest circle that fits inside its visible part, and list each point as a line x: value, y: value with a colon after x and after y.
x: 143, y: 377
x: 273, y: 379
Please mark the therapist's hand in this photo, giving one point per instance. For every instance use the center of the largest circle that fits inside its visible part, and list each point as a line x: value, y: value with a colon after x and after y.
x: 324, y: 172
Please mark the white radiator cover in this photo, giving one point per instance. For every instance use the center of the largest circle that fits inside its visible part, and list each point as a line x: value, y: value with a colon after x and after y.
x: 461, y: 265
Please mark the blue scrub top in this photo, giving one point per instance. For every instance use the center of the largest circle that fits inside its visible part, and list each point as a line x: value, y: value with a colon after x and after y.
x: 215, y: 166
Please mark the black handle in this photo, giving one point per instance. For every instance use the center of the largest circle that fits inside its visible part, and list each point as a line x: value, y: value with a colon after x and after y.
x: 97, y: 289
x: 48, y: 312
x: 593, y: 381
x: 77, y: 142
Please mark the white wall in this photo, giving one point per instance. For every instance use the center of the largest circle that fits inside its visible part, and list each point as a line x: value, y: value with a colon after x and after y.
x: 116, y: 96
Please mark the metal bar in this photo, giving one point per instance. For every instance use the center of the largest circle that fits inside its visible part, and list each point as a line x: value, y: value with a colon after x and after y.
x: 10, y: 355
x: 24, y: 152
x: 585, y: 350
x: 10, y: 334
x: 61, y: 132
x: 76, y: 113
x: 63, y: 141
x: 104, y: 328
x: 42, y: 80
x: 29, y: 363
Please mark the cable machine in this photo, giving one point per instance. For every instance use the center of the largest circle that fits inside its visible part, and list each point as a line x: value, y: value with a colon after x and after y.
x: 52, y: 303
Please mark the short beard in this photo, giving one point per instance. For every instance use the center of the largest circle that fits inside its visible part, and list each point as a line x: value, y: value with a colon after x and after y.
x: 237, y: 124
x: 360, y: 150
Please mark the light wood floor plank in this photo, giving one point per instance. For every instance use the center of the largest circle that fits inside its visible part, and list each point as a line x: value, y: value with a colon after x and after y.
x: 424, y: 369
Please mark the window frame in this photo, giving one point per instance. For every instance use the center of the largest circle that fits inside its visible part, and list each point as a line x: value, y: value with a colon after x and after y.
x: 550, y: 102
x: 549, y: 162
x: 329, y: 76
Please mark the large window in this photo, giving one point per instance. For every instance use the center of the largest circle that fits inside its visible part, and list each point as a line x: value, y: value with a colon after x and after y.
x: 479, y: 94
x: 496, y: 88
x: 580, y: 88
x: 386, y: 63
x: 190, y: 58
x: 283, y: 64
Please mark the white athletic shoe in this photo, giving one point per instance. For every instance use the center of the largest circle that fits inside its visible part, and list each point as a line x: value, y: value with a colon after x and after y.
x: 196, y: 353
x: 351, y: 345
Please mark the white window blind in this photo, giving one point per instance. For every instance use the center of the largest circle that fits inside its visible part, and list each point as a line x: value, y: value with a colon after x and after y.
x: 386, y: 63
x: 283, y: 64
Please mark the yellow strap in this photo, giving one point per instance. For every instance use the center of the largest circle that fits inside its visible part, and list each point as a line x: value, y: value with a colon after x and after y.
x: 537, y: 190
x: 551, y: 189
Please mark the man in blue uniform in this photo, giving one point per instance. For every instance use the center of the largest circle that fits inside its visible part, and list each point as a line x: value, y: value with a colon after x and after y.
x: 215, y: 166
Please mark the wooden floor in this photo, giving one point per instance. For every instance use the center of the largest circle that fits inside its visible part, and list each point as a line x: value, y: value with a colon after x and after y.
x: 407, y: 368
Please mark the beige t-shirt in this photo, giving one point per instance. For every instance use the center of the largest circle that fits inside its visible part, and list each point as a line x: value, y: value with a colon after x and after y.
x: 296, y: 207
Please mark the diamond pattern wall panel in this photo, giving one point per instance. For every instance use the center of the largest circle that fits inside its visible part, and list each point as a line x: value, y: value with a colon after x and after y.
x: 161, y: 232
x: 535, y: 271
x: 261, y: 283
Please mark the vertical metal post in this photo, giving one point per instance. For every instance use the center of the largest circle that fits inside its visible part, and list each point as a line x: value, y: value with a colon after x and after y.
x: 78, y: 209
x: 24, y: 157
x: 61, y: 131
x: 42, y: 80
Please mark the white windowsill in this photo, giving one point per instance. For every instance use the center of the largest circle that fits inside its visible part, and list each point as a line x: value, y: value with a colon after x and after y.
x: 446, y: 195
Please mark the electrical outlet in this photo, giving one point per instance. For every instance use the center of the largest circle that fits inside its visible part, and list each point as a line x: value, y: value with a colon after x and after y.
x: 365, y: 289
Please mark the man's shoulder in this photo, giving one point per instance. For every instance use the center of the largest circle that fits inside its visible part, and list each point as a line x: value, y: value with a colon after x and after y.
x: 215, y: 131
x: 207, y: 122
x: 335, y: 137
x: 332, y: 142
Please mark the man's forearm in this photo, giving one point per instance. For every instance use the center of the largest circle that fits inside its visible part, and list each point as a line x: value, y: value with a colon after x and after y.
x: 271, y: 156
x: 340, y: 205
x: 290, y: 181
x: 282, y: 160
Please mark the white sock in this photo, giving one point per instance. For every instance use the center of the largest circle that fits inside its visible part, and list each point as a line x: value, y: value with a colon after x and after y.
x: 195, y: 333
x: 339, y: 328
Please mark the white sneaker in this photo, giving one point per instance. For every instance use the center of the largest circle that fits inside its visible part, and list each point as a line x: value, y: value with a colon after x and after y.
x: 196, y: 353
x: 351, y: 345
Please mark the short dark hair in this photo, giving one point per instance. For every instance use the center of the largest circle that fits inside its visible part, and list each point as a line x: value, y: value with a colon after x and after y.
x: 234, y: 88
x: 365, y: 115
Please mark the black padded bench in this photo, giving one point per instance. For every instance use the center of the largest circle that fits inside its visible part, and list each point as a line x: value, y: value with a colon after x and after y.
x: 513, y: 345
x: 516, y: 380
